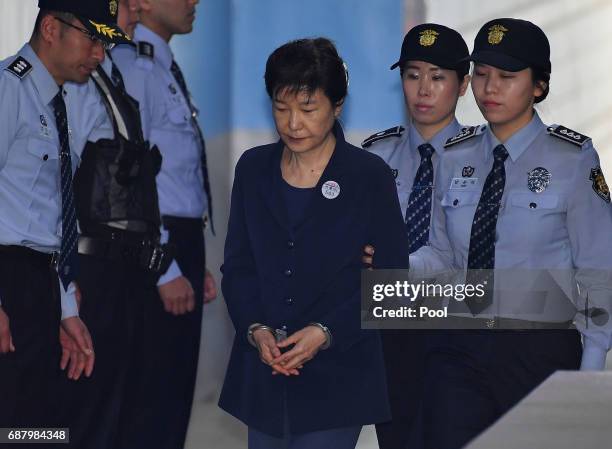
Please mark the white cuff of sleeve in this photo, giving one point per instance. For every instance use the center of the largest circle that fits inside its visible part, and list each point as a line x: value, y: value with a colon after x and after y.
x: 593, y: 357
x: 172, y: 273
x: 68, y: 299
x: 417, y: 266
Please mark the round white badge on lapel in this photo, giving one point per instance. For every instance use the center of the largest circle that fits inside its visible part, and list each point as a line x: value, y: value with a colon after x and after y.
x: 330, y: 189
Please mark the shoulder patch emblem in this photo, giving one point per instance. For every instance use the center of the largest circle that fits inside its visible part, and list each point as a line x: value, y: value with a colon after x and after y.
x: 569, y: 135
x: 395, y: 131
x: 599, y: 184
x: 20, y: 67
x: 465, y: 134
x: 146, y: 49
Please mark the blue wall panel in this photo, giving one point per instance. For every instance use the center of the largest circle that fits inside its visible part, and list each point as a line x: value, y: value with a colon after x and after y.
x: 224, y: 58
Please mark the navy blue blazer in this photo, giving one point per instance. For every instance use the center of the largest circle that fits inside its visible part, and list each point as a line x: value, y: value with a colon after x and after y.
x: 285, y: 277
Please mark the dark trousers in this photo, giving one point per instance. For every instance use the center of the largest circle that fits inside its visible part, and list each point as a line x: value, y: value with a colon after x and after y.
x: 113, y: 295
x: 30, y: 297
x: 160, y: 398
x: 337, y: 438
x: 473, y: 377
x: 404, y: 352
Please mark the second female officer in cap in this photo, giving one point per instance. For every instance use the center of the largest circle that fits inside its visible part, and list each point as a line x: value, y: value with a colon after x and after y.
x: 515, y: 194
x: 302, y: 209
x: 434, y: 71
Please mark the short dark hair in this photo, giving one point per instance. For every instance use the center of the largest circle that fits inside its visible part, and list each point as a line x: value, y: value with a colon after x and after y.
x: 67, y: 16
x: 307, y: 65
x: 541, y: 76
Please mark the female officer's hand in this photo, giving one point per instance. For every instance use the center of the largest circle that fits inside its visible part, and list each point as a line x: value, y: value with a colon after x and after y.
x: 268, y: 351
x: 307, y: 343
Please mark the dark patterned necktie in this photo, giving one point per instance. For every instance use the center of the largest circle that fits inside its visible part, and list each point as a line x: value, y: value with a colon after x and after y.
x: 418, y: 212
x: 117, y: 77
x: 67, y: 263
x: 180, y: 79
x: 481, y: 257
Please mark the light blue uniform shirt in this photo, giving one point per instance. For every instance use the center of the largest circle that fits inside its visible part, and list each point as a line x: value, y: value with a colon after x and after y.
x: 402, y: 155
x: 179, y: 184
x: 30, y: 198
x: 563, y: 229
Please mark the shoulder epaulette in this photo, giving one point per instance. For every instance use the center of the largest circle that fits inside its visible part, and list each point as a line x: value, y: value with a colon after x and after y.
x: 465, y: 134
x: 146, y: 49
x: 20, y: 67
x: 395, y: 131
x: 564, y: 133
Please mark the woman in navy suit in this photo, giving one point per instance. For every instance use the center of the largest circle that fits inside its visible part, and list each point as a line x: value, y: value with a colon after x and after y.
x: 302, y: 373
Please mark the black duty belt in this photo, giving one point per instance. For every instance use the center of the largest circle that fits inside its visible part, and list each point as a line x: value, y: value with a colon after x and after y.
x: 39, y: 258
x: 141, y: 250
x: 503, y: 323
x: 170, y: 221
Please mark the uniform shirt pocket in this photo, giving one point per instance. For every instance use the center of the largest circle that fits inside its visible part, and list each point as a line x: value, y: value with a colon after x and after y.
x: 179, y: 115
x: 42, y: 166
x: 534, y: 201
x: 460, y: 198
x: 459, y: 207
x: 540, y: 214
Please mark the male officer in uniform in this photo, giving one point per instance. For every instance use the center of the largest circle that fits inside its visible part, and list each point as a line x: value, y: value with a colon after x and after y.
x: 162, y: 396
x: 120, y: 254
x: 413, y: 155
x: 43, y: 130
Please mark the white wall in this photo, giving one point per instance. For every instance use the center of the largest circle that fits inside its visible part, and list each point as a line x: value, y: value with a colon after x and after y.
x: 16, y: 22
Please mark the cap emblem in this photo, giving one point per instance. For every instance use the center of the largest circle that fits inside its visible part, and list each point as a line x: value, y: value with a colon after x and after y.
x: 105, y: 30
x: 428, y: 37
x: 496, y: 34
x: 112, y: 5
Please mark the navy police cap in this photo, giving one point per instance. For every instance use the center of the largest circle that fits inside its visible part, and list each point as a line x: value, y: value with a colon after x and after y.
x: 436, y: 44
x: 98, y: 16
x: 512, y: 45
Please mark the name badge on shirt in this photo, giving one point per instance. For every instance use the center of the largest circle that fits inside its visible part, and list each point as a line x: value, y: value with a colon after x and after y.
x: 466, y: 184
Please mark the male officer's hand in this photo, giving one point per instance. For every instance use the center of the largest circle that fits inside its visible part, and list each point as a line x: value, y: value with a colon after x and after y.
x: 178, y: 296
x: 368, y: 256
x: 210, y: 287
x: 72, y: 357
x: 268, y: 351
x: 6, y: 339
x: 77, y: 348
x: 307, y: 343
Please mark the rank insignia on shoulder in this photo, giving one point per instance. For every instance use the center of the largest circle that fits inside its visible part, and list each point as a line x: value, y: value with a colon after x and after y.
x: 395, y: 131
x: 146, y: 49
x: 20, y: 67
x: 567, y: 134
x: 465, y: 134
x: 599, y: 184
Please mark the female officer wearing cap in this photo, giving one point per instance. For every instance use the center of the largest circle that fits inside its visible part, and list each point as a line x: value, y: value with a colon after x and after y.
x: 302, y: 373
x: 535, y: 201
x: 434, y: 69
